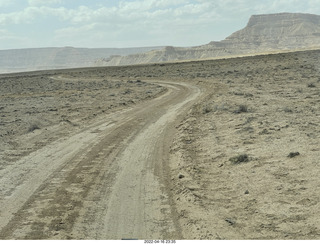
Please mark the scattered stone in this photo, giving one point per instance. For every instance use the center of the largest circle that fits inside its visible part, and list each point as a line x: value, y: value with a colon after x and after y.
x: 241, y: 109
x: 33, y: 127
x: 264, y: 132
x: 293, y: 154
x: 230, y: 221
x: 246, y: 192
x: 181, y: 176
x: 53, y: 109
x: 239, y: 159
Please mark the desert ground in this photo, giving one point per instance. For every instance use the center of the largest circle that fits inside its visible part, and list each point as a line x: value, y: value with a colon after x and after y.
x: 215, y: 149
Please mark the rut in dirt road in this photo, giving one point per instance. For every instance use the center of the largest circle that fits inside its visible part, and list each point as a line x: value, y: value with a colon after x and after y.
x: 111, y: 184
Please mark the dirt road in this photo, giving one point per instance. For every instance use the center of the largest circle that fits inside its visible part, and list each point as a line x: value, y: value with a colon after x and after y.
x: 99, y: 153
x: 108, y: 181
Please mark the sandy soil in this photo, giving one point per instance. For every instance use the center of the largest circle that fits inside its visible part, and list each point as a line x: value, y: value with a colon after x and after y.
x: 33, y: 103
x: 220, y: 149
x: 263, y: 109
x: 103, y: 177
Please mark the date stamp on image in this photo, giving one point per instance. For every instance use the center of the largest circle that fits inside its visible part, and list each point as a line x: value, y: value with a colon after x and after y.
x: 160, y: 241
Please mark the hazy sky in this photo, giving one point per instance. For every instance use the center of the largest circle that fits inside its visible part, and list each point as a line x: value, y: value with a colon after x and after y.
x: 131, y: 23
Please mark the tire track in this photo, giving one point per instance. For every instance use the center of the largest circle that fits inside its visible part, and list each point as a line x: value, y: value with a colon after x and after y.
x: 106, y: 182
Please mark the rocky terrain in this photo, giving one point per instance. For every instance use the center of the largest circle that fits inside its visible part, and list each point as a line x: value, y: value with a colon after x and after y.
x: 246, y: 159
x: 263, y: 33
x: 85, y: 150
x: 33, y: 102
x: 18, y: 60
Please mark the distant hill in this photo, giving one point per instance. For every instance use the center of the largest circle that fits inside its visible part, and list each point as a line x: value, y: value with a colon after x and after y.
x: 16, y: 60
x: 263, y: 33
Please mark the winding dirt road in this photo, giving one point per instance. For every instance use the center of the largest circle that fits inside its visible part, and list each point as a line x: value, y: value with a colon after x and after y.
x: 109, y: 181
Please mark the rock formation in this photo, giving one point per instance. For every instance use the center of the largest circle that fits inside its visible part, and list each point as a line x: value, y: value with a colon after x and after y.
x: 263, y: 33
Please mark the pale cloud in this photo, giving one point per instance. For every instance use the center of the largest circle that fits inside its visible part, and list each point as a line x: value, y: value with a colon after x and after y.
x: 5, y: 2
x: 314, y: 6
x: 43, y: 2
x: 4, y: 33
x: 74, y: 31
x: 149, y: 22
x: 9, y: 37
x: 87, y: 35
x: 15, y: 18
x: 141, y: 5
x: 32, y: 14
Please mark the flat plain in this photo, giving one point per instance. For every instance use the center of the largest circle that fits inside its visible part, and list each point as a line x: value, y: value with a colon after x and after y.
x: 213, y: 149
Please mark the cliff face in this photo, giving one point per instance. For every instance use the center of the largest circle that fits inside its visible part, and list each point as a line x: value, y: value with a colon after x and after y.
x: 272, y: 32
x: 280, y: 31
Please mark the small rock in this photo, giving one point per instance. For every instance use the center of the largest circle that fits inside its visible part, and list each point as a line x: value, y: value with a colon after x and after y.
x: 230, y: 221
x: 181, y: 176
x: 246, y: 192
x: 239, y: 159
x: 293, y: 154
